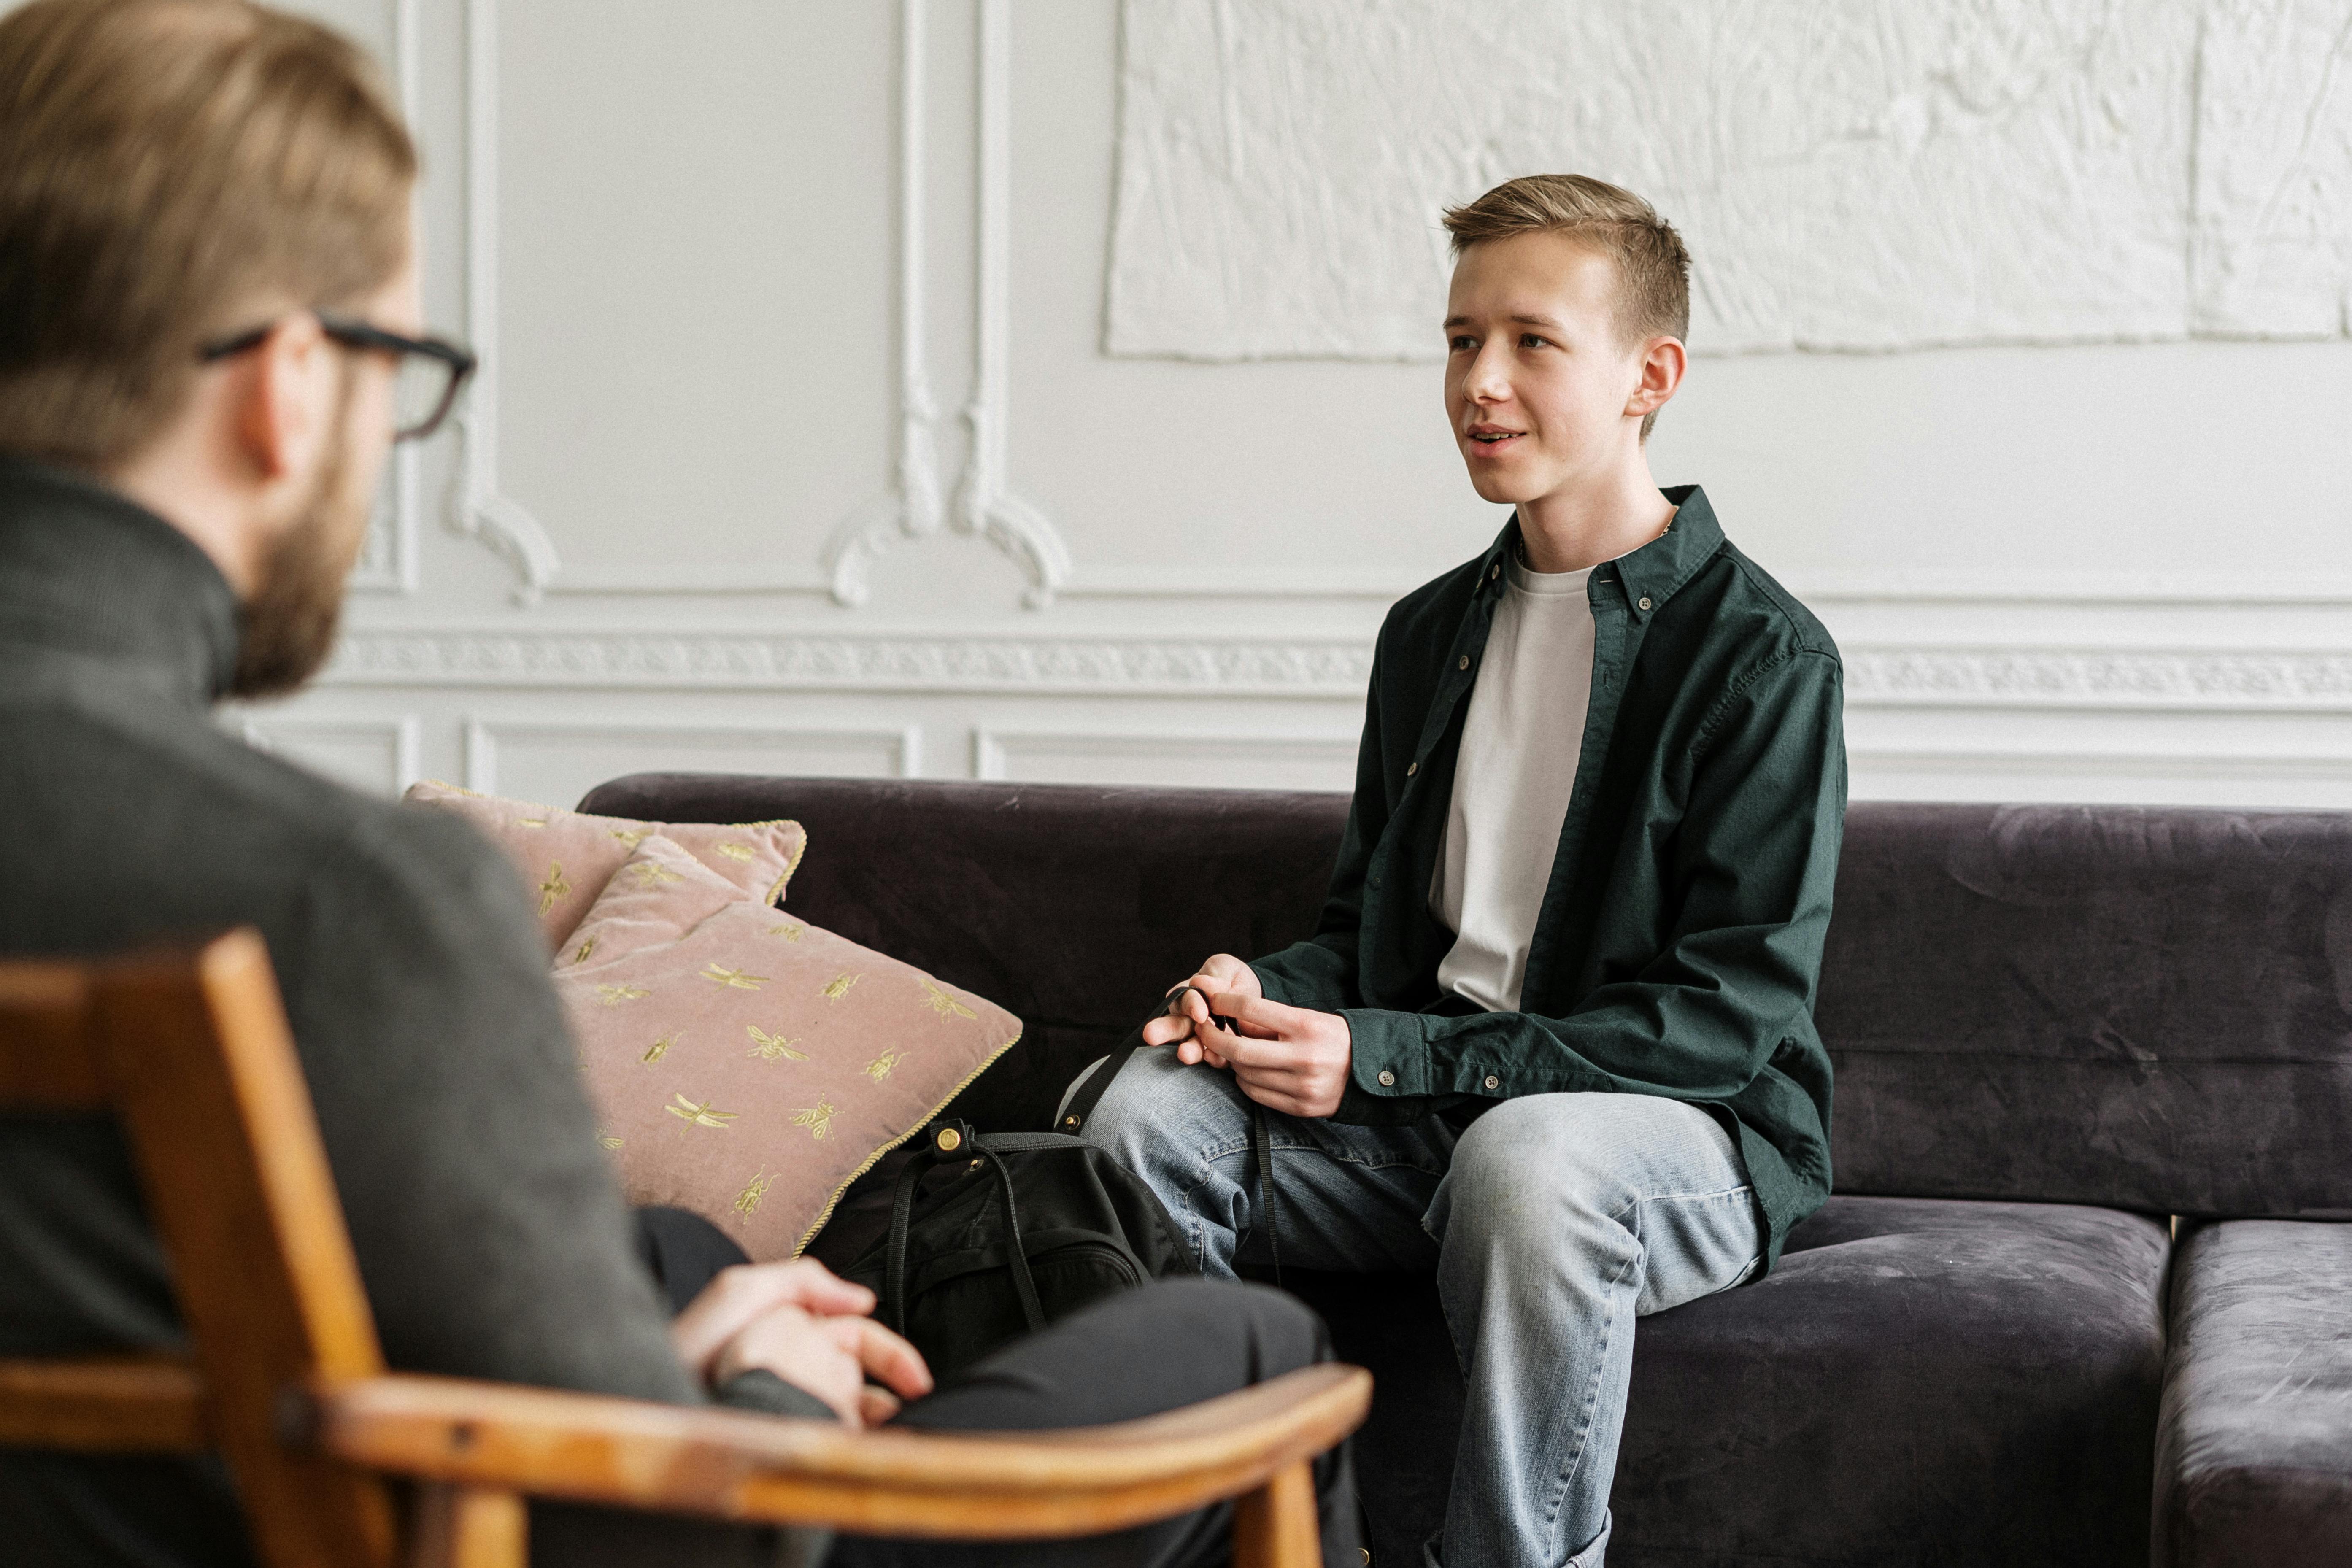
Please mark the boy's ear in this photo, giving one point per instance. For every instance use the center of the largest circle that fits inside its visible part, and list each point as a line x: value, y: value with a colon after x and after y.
x: 1663, y: 364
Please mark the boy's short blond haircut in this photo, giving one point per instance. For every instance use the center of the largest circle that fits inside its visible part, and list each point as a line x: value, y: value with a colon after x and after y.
x: 166, y: 167
x: 1652, y: 264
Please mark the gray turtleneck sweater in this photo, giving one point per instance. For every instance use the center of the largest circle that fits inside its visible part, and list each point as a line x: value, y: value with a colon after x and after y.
x: 489, y: 1231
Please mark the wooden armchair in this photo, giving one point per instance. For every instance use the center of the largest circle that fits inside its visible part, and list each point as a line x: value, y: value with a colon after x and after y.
x: 287, y: 1380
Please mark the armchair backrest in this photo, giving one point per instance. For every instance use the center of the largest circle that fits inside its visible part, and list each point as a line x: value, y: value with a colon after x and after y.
x: 190, y: 1050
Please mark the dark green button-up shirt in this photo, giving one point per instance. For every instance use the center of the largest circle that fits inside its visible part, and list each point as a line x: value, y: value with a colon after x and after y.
x: 1679, y: 943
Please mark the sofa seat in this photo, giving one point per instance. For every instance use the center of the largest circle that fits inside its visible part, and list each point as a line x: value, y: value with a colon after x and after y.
x: 2254, y: 1467
x: 1922, y: 1382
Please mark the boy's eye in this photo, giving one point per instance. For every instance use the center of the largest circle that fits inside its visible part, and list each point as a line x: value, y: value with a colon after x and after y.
x: 1461, y: 344
x: 1530, y: 340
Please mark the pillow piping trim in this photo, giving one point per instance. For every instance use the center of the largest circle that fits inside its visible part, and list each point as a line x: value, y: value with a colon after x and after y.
x: 875, y: 1158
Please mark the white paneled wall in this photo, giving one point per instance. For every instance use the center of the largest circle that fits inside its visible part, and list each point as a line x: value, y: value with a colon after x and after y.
x: 930, y: 387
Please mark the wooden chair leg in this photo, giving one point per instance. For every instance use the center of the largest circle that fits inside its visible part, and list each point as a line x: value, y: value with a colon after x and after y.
x: 468, y: 1527
x: 1276, y: 1526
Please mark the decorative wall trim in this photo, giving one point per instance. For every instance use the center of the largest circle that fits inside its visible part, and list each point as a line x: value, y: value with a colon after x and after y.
x: 2233, y: 681
x: 2100, y: 678
x: 904, y: 742
x: 403, y: 737
x: 995, y: 750
x: 985, y: 505
x: 484, y: 511
x: 856, y: 662
x: 389, y: 560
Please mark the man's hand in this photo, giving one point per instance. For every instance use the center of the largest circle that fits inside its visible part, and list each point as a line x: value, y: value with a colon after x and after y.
x: 1187, y: 1026
x: 809, y: 1327
x: 1290, y: 1059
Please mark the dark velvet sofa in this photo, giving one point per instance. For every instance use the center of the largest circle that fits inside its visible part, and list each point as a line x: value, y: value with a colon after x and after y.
x: 2083, y: 1295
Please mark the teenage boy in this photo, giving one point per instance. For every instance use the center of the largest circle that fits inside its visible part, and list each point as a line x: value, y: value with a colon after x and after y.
x: 1554, y: 1036
x: 208, y: 328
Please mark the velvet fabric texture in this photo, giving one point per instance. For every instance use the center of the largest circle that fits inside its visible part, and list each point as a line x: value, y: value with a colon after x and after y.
x: 746, y: 1065
x: 566, y: 856
x: 2141, y: 1010
x: 2254, y: 1455
x: 2150, y: 1009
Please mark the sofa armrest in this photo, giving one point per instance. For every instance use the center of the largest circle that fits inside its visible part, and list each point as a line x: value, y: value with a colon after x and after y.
x: 2253, y: 1461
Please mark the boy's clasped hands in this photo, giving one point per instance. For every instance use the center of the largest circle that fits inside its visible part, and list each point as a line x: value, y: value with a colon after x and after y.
x: 1291, y: 1060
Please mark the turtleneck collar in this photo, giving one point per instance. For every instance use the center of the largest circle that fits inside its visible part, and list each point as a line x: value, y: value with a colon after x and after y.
x: 85, y: 571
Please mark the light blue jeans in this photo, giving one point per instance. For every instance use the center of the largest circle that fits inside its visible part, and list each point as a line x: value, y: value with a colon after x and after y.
x: 1553, y: 1222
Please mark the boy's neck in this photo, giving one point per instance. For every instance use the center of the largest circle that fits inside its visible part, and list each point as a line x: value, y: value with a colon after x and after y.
x: 1569, y: 530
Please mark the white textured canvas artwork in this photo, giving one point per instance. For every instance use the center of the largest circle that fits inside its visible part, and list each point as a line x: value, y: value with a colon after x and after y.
x: 1851, y: 174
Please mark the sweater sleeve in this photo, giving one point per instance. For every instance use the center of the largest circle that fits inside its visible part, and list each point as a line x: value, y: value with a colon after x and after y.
x: 490, y: 1232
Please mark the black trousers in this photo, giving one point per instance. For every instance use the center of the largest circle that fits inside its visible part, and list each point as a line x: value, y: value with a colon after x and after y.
x: 1134, y: 1354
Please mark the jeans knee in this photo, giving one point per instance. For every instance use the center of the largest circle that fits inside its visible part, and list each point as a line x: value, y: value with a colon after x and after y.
x: 1530, y: 1163
x: 1156, y: 1110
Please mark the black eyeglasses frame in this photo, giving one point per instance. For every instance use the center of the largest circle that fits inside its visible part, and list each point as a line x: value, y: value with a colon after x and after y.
x: 352, y: 332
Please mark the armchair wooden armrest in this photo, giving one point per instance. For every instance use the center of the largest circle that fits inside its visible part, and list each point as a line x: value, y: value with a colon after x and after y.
x: 731, y: 1465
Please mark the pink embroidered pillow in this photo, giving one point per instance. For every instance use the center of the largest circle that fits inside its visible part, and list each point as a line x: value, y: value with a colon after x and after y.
x: 568, y: 858
x: 748, y: 1066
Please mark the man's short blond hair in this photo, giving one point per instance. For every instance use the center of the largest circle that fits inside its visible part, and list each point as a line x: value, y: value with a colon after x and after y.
x: 1652, y: 264
x: 165, y: 166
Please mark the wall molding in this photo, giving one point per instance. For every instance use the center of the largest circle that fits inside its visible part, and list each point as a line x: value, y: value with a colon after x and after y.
x: 483, y: 738
x: 996, y: 749
x: 985, y: 505
x: 389, y: 560
x: 2231, y: 681
x: 1314, y: 667
x: 403, y: 738
x: 483, y: 510
x: 1319, y: 668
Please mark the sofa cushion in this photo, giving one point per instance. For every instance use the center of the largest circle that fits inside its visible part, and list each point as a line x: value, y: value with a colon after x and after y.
x: 2149, y: 1009
x: 2254, y: 1451
x: 1918, y: 1382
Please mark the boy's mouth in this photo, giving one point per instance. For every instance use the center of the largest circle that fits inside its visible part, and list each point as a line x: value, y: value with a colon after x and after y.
x: 1493, y: 435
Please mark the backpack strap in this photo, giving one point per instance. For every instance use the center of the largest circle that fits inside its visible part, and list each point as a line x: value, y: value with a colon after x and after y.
x: 1089, y: 1093
x: 955, y: 1140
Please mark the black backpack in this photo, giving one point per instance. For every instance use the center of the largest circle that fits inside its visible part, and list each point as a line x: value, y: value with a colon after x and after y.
x: 1011, y: 1231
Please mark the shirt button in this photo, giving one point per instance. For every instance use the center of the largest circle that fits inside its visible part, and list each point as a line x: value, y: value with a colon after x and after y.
x: 1494, y: 1082
x: 1645, y: 601
x: 1411, y: 769
x: 1465, y: 662
x: 1388, y: 1080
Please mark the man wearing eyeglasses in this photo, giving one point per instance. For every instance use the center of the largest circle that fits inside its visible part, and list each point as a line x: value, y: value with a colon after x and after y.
x: 209, y: 338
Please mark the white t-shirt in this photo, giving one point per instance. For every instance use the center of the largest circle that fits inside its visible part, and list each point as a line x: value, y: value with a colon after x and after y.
x: 1520, y: 749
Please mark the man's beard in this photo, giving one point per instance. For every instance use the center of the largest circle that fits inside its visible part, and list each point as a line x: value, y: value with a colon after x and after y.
x: 289, y: 624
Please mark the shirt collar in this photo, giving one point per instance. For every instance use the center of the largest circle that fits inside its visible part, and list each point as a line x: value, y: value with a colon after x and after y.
x: 86, y: 571
x: 1655, y: 572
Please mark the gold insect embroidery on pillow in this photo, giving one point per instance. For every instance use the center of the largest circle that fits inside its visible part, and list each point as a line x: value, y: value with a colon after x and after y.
x: 838, y: 986
x: 946, y: 1005
x: 879, y: 1068
x: 554, y: 887
x: 660, y: 1047
x: 753, y: 1191
x: 769, y: 1048
x: 614, y: 995
x: 817, y: 1119
x: 701, y: 1115
x: 720, y: 975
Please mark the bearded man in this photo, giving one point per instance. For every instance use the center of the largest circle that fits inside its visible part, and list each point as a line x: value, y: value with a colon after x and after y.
x: 209, y: 337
